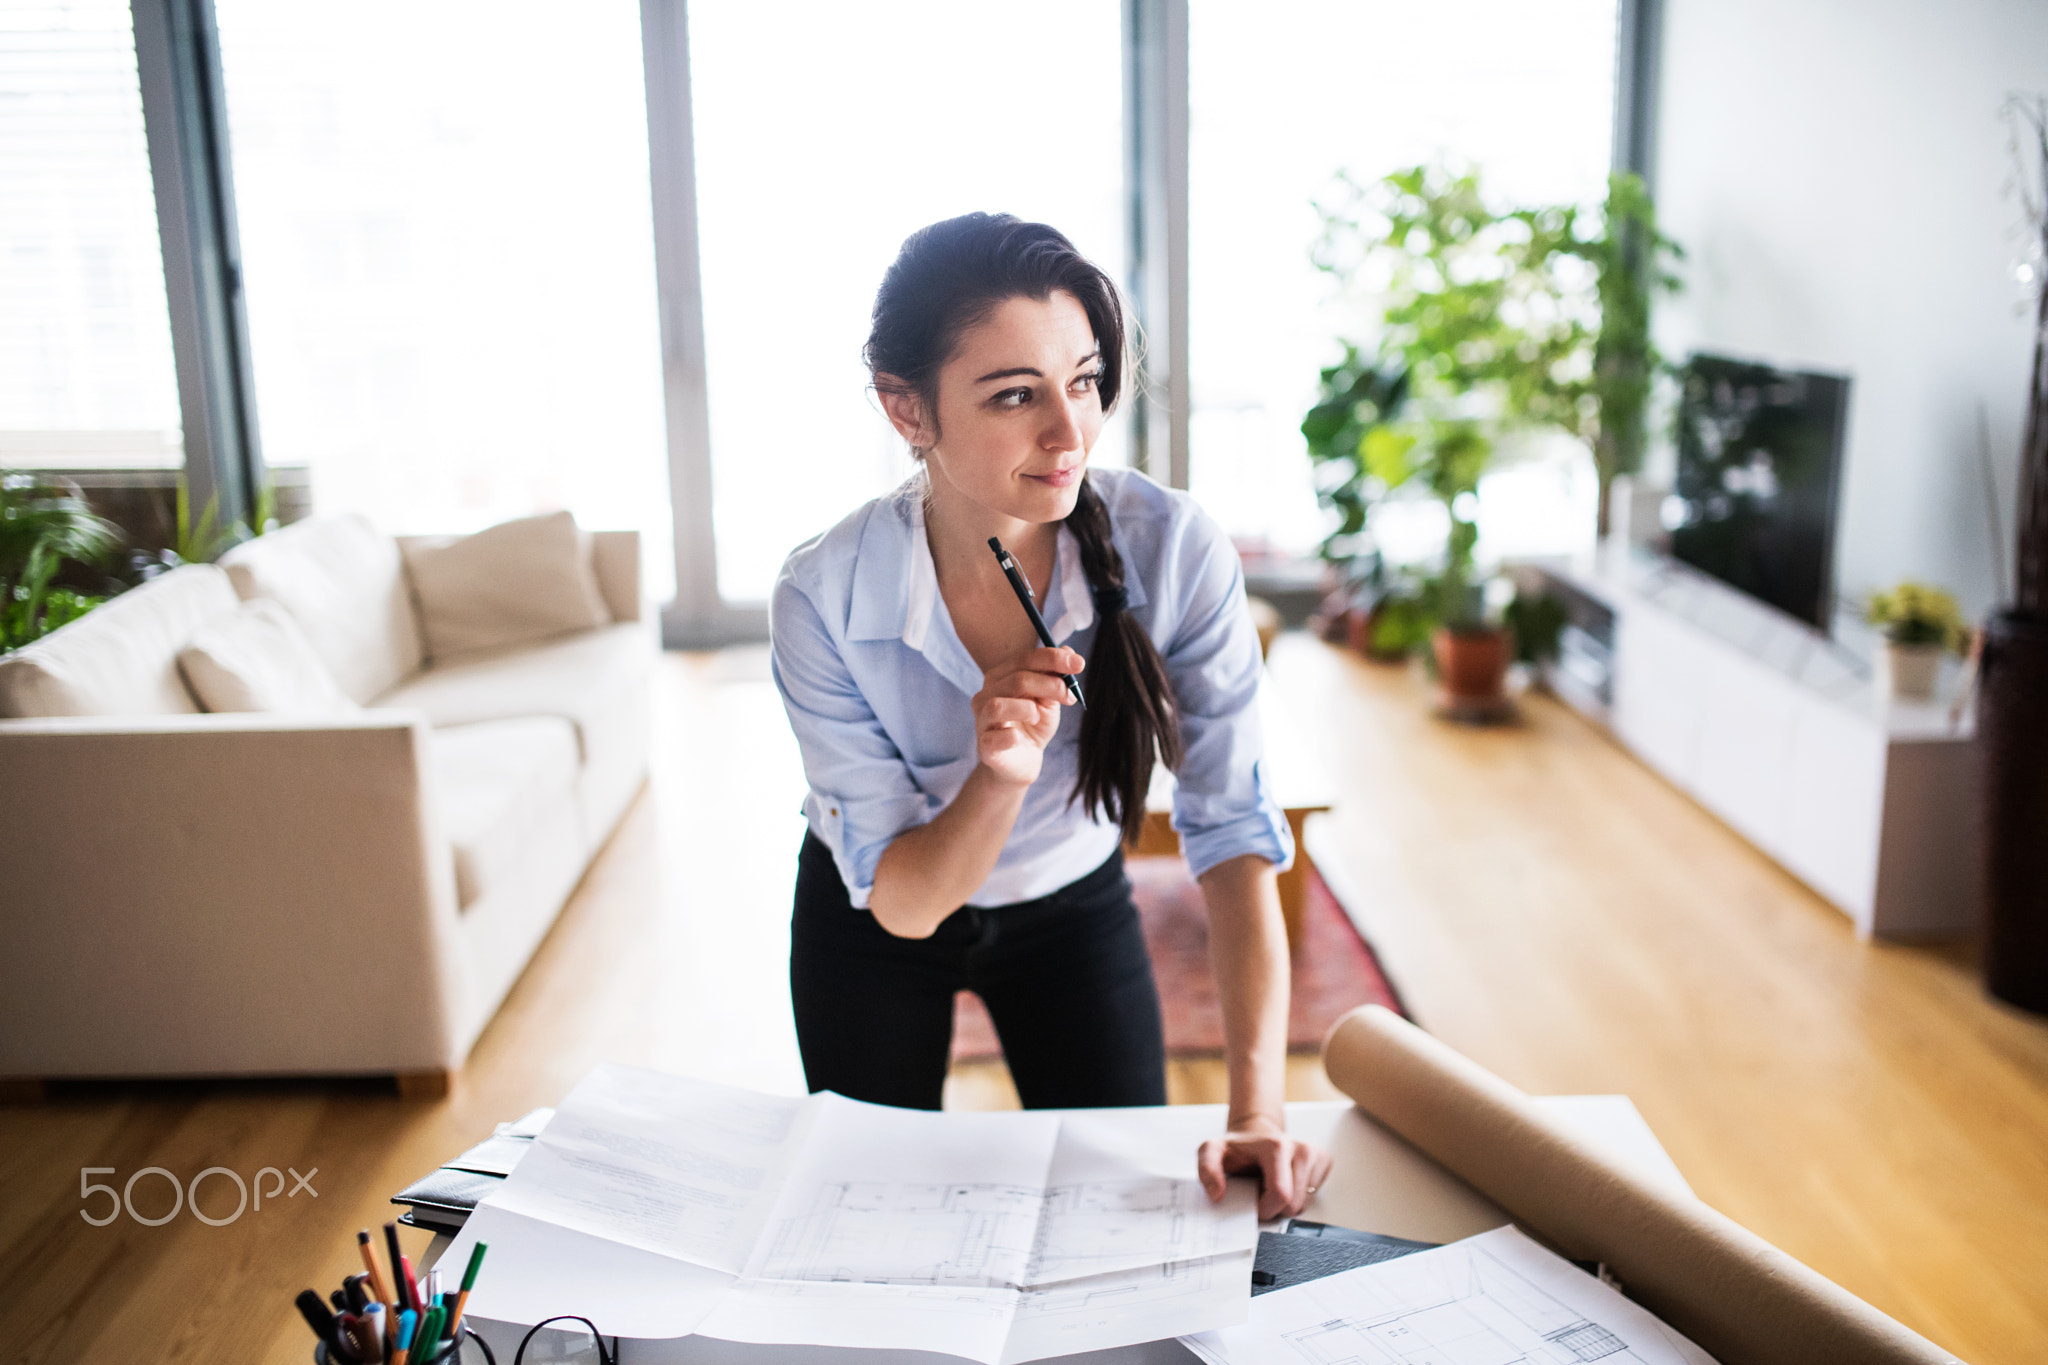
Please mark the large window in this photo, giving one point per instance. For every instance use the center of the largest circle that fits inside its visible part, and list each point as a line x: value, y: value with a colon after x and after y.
x: 826, y: 134
x: 86, y: 376
x: 1282, y: 96
x: 449, y: 258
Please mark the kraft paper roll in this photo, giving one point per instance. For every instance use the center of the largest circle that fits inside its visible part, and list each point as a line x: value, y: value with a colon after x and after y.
x: 1743, y: 1300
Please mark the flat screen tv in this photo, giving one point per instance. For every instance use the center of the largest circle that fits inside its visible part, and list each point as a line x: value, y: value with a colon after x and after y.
x: 1759, y: 468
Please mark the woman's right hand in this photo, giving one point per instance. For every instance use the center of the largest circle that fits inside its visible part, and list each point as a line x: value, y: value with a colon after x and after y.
x: 1017, y: 712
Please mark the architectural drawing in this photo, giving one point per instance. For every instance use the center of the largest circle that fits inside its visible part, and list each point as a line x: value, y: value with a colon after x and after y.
x: 1459, y: 1309
x: 1122, y: 1290
x: 994, y: 1235
x: 971, y: 1235
x: 1102, y: 1225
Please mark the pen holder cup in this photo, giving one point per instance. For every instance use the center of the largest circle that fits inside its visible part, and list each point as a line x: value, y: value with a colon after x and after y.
x: 449, y: 1354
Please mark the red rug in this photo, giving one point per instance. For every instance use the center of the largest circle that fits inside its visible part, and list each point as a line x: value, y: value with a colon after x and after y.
x: 1334, y: 969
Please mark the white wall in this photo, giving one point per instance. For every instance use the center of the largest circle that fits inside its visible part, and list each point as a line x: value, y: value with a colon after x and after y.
x: 1835, y: 169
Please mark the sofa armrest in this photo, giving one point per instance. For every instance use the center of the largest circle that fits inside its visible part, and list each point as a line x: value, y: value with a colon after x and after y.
x: 224, y: 894
x: 615, y: 555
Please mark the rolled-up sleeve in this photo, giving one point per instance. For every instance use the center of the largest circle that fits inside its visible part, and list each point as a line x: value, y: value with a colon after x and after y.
x: 862, y: 794
x: 1223, y: 806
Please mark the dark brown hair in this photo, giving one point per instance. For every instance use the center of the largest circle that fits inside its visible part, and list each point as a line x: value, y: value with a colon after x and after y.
x: 948, y: 278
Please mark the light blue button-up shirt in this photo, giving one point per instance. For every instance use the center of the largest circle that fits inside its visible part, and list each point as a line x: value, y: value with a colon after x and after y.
x: 877, y: 686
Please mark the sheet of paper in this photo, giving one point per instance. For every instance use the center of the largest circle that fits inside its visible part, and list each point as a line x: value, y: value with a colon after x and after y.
x: 1120, y: 1200
x: 897, y: 1229
x: 997, y: 1237
x: 957, y: 1320
x: 679, y: 1206
x: 907, y: 1197
x: 535, y: 1270
x: 685, y: 1168
x: 1126, y: 1307
x: 1488, y: 1300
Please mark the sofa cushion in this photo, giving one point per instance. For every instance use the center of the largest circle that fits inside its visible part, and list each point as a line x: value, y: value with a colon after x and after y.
x: 499, y: 789
x: 257, y: 659
x: 121, y: 658
x: 342, y: 581
x: 580, y: 678
x: 599, y: 681
x: 515, y: 583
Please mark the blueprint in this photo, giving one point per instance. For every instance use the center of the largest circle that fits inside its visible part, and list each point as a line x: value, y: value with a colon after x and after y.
x: 1119, y: 1198
x: 682, y: 1168
x: 679, y: 1206
x: 1125, y: 1307
x: 1494, y: 1299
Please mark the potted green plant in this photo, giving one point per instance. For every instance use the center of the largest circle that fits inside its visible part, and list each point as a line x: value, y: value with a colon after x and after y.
x: 43, y: 526
x: 1528, y: 317
x: 1370, y: 610
x: 1469, y: 644
x: 1629, y: 258
x: 1480, y: 330
x: 1920, y: 624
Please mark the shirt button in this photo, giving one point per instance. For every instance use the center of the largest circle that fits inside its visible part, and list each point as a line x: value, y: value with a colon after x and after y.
x: 832, y: 810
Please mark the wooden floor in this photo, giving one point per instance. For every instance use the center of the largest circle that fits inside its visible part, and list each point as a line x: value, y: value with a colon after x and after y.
x: 1543, y: 903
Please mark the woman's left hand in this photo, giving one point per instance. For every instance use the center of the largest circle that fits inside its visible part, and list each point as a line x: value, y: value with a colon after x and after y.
x: 1290, y: 1172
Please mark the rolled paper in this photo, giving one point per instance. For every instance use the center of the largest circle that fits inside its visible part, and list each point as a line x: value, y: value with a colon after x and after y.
x: 1740, y: 1298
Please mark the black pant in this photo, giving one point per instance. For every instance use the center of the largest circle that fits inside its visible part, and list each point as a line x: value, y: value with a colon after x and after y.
x: 1065, y: 977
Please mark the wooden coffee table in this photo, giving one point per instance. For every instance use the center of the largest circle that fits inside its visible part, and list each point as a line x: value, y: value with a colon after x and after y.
x: 1300, y: 785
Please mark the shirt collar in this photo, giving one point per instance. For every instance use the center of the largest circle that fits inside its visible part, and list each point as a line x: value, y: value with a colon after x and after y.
x: 896, y: 587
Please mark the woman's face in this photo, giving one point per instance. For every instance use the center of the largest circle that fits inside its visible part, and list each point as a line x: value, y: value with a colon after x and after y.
x: 1018, y: 411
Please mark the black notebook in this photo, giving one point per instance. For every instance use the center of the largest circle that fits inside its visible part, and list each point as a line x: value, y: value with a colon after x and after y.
x: 441, y: 1200
x: 1309, y: 1251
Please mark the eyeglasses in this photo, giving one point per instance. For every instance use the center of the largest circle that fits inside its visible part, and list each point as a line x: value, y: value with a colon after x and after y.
x: 545, y: 1344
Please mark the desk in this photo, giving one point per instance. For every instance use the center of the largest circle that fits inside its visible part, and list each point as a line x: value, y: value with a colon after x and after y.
x: 1378, y: 1183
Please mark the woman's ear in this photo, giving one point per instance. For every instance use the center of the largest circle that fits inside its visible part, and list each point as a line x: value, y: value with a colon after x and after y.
x: 906, y: 411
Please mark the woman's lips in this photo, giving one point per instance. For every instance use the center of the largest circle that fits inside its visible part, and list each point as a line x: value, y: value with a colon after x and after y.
x: 1059, y: 478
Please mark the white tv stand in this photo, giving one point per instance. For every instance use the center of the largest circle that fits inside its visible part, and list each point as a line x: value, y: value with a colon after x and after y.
x: 1783, y: 733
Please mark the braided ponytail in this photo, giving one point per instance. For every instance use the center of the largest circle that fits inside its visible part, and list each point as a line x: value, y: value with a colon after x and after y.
x: 1132, y: 717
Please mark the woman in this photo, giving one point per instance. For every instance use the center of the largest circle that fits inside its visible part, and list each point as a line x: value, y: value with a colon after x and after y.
x: 965, y: 827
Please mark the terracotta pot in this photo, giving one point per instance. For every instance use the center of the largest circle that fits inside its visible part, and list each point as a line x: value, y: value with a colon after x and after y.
x: 1910, y: 670
x: 1472, y: 664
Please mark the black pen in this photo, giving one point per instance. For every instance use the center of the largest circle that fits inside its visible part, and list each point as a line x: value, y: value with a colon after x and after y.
x: 1023, y: 591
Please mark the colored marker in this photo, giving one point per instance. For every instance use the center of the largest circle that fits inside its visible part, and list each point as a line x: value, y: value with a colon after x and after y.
x: 476, y: 1260
x: 428, y: 1337
x: 408, y: 1321
x: 374, y: 1321
x: 398, y: 1276
x: 314, y: 1310
x: 353, y: 1332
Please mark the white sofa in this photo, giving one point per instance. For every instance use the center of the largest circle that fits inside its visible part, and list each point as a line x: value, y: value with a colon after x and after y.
x: 260, y: 894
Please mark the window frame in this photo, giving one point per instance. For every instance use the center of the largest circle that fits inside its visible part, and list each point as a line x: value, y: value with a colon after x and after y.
x: 178, y: 57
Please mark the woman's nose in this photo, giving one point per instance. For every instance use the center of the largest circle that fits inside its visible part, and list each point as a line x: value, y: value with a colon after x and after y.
x: 1063, y: 429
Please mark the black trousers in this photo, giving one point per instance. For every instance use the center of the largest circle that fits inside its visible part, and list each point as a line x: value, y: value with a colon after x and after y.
x: 1066, y: 979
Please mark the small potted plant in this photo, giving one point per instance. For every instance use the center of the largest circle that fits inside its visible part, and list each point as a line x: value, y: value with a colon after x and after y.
x: 42, y: 526
x: 1920, y: 624
x: 1471, y: 648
